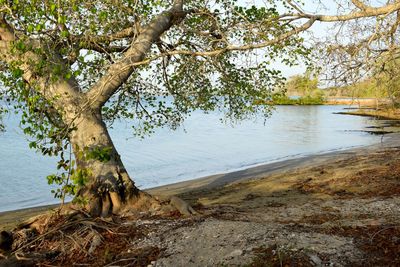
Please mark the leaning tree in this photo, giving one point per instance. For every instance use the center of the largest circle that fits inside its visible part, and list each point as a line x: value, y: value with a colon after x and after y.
x: 73, y: 67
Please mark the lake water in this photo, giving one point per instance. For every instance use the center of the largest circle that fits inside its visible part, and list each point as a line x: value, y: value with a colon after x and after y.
x: 203, y: 146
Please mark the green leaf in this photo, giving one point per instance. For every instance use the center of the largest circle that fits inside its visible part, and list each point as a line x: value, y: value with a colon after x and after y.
x: 32, y: 145
x: 39, y: 27
x: 30, y: 28
x: 64, y: 34
x: 53, y: 7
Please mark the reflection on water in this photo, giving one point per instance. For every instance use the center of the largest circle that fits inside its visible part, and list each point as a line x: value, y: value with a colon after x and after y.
x: 207, y: 147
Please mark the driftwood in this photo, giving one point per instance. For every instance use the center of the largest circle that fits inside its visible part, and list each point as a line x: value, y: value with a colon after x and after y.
x: 182, y: 206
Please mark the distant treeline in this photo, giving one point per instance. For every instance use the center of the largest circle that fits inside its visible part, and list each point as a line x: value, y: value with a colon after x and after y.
x: 365, y: 89
x: 300, y: 90
x: 304, y: 90
x: 279, y: 99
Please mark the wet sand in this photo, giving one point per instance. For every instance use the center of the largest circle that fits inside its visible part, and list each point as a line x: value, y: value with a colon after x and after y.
x: 263, y: 170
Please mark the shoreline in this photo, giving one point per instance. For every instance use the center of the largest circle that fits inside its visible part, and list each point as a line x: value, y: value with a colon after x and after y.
x: 274, y: 163
x: 213, y: 182
x: 379, y: 114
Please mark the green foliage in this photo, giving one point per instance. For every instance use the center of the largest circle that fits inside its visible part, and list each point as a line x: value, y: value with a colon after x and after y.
x: 387, y: 78
x: 102, y: 154
x: 300, y: 90
x: 68, y: 41
x: 302, y: 85
x: 70, y: 180
x: 165, y: 91
x: 369, y: 88
x: 65, y: 182
x: 80, y: 177
x: 306, y: 100
x: 80, y: 200
x: 64, y: 188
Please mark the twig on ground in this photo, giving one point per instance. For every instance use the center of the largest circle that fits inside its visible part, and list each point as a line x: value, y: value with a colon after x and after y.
x: 21, y: 258
x: 46, y: 234
x: 380, y: 231
x: 77, y: 244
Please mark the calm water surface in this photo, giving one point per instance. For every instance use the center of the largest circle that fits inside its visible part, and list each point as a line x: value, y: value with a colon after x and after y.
x: 203, y: 146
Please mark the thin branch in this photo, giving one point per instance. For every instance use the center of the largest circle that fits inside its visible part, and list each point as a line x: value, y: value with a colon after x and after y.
x: 360, y: 4
x: 105, y: 39
x: 370, y: 12
x: 295, y: 6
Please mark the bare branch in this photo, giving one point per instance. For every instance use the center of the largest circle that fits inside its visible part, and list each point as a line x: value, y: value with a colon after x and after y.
x: 369, y: 12
x: 295, y: 6
x: 360, y: 4
x: 104, y: 48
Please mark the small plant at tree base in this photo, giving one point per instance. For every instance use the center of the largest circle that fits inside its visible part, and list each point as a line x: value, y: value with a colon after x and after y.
x: 102, y: 154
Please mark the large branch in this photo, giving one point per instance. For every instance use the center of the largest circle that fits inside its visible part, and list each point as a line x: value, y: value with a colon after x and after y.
x: 119, y: 72
x: 60, y: 92
x: 103, y: 48
x: 107, y: 38
x: 217, y: 52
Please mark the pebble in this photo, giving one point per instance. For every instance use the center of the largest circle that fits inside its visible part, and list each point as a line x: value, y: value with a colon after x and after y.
x: 314, y: 258
x: 235, y: 253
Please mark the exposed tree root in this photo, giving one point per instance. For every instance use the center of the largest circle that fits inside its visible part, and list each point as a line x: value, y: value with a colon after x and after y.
x: 70, y: 232
x: 182, y: 206
x: 61, y: 238
x: 110, y: 203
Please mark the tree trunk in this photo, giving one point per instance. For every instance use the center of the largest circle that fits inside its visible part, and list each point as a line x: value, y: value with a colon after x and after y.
x: 107, y: 187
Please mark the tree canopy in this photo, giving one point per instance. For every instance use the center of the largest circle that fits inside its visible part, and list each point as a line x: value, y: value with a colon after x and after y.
x: 96, y: 46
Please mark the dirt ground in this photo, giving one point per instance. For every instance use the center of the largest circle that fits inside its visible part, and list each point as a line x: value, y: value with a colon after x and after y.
x: 340, y: 209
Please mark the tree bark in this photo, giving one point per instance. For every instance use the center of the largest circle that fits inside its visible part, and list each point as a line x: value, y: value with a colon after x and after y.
x: 107, y: 186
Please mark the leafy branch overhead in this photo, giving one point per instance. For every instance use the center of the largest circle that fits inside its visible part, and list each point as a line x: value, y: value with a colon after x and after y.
x: 105, y: 47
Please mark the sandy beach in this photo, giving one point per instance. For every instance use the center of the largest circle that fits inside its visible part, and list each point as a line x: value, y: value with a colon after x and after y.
x: 340, y: 208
